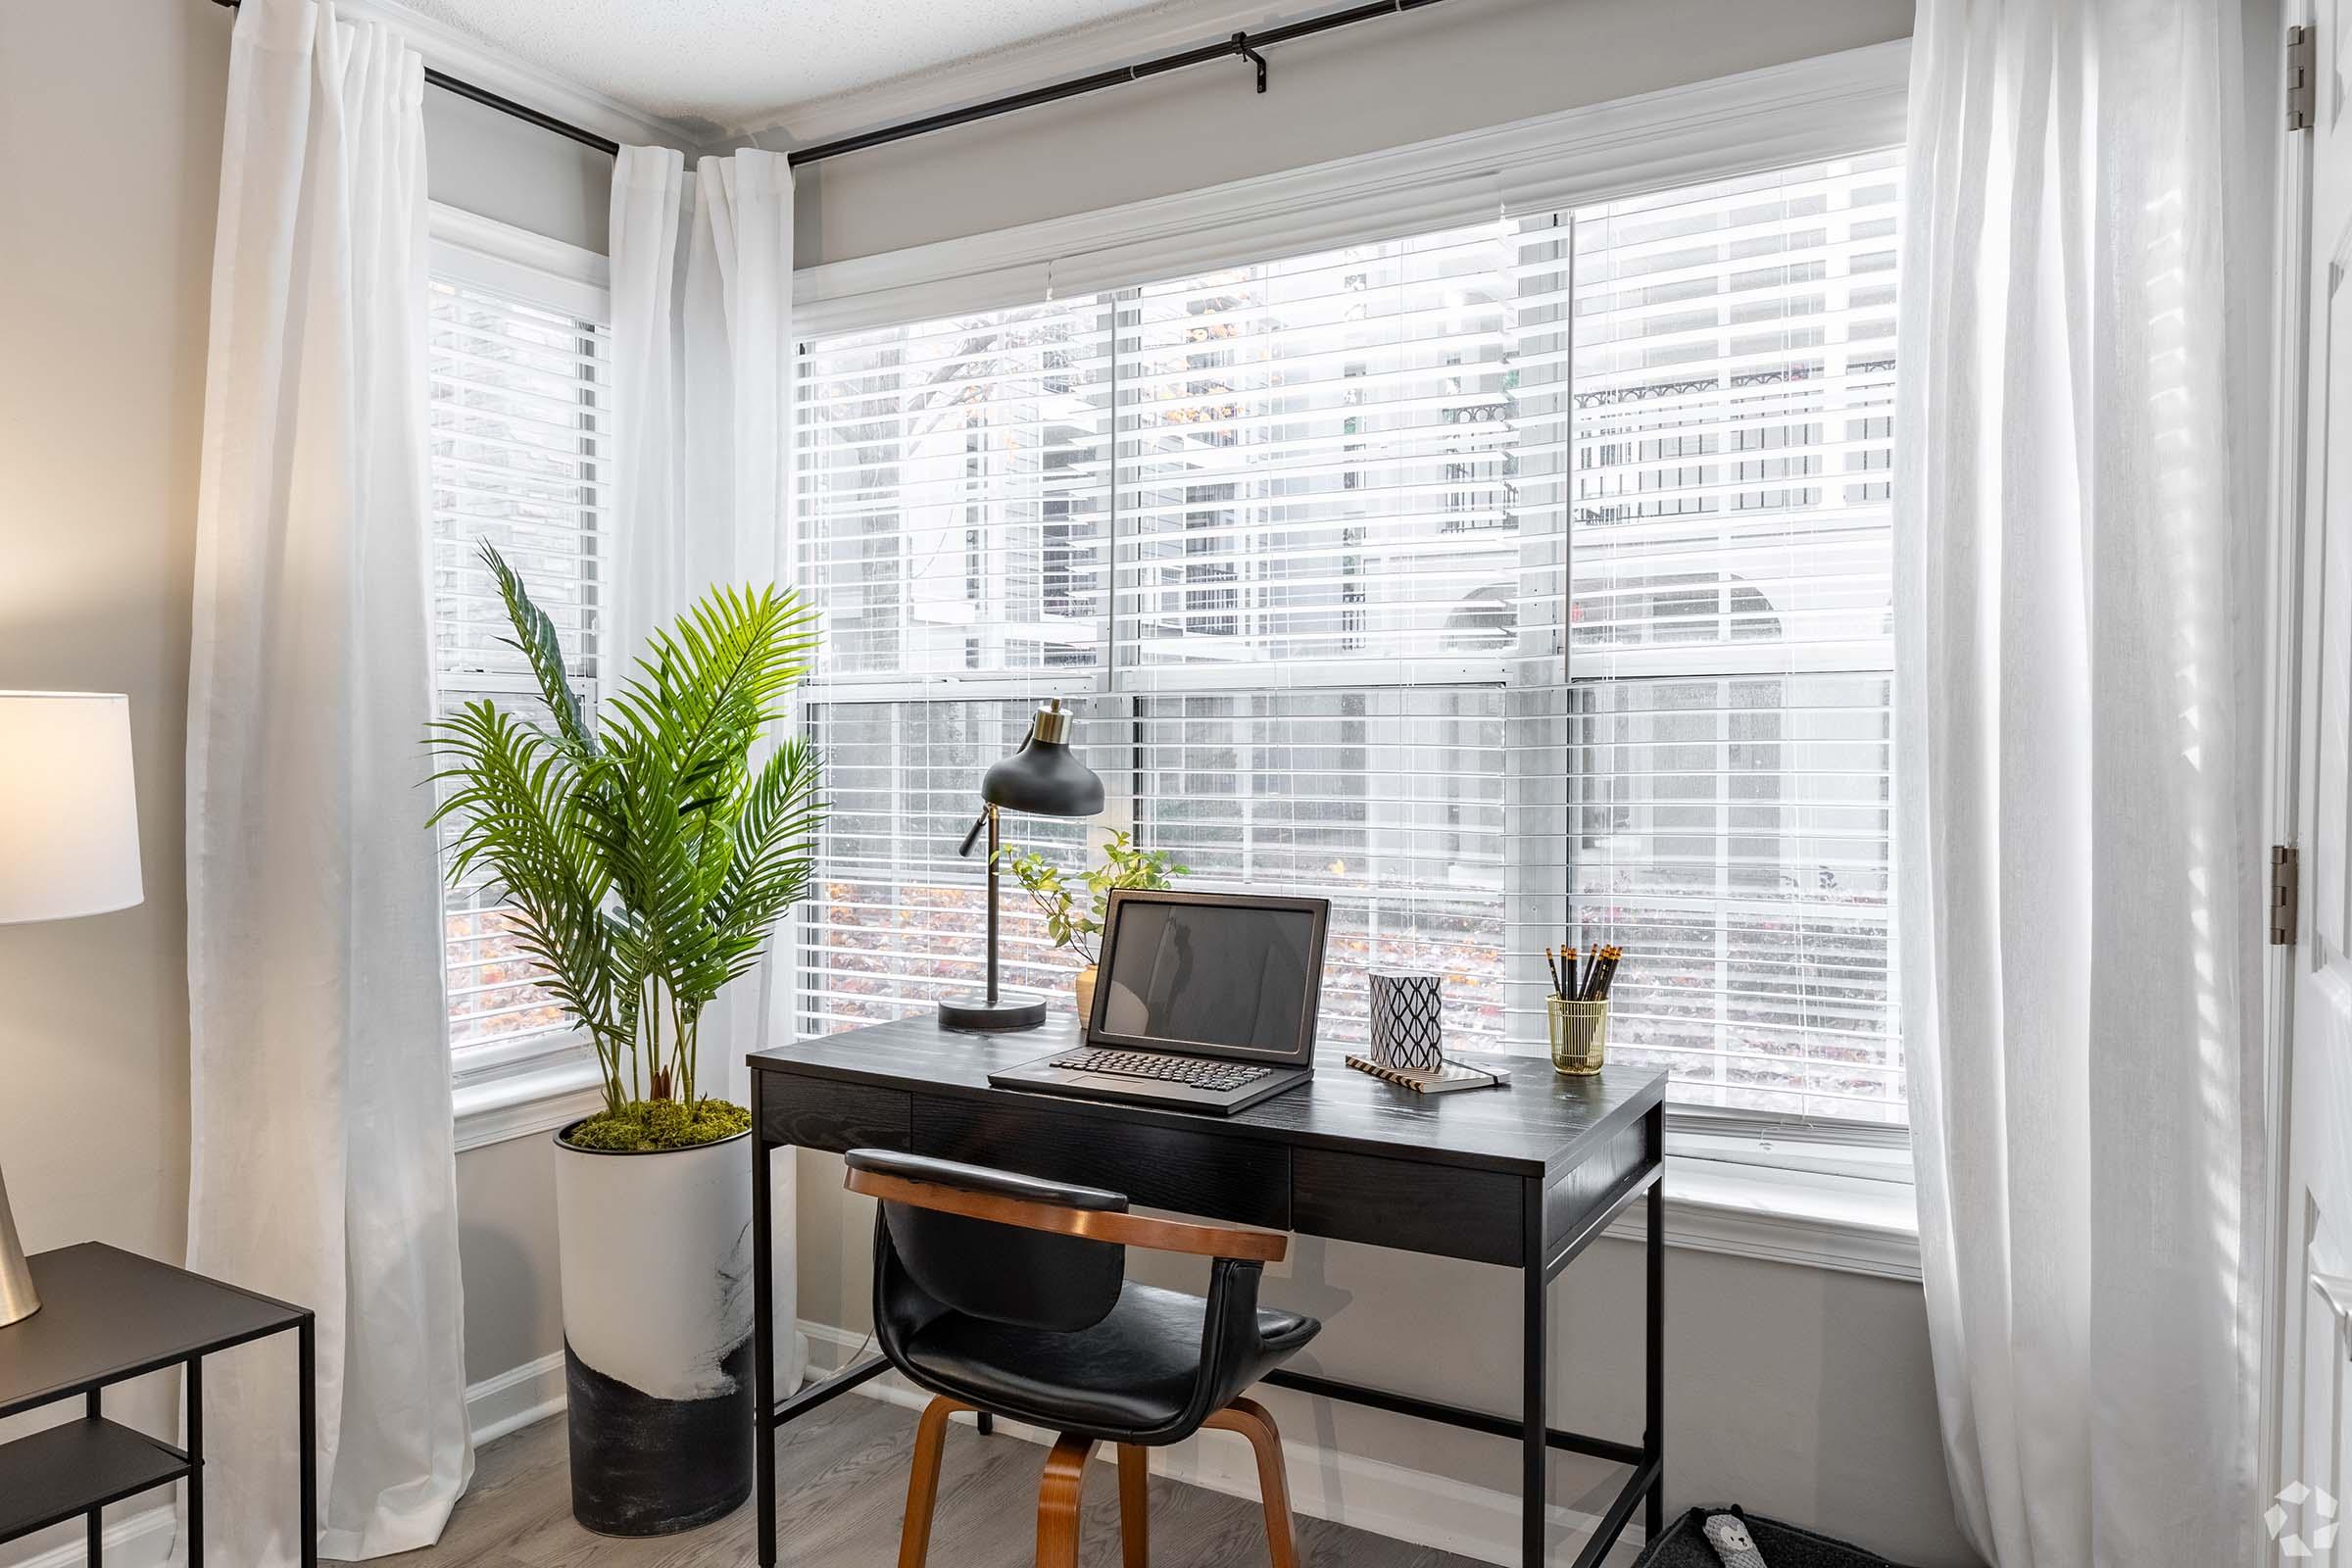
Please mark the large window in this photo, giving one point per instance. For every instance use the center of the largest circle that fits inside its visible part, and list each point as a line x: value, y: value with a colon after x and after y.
x: 520, y: 407
x: 1516, y: 584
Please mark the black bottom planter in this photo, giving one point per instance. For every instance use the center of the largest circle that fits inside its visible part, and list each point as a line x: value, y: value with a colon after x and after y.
x: 656, y: 1334
x: 642, y: 1466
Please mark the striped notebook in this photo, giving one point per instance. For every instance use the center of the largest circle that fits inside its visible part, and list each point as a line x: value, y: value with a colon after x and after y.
x: 1442, y: 1079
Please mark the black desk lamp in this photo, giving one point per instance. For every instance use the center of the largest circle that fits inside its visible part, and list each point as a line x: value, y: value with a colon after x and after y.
x: 1043, y: 779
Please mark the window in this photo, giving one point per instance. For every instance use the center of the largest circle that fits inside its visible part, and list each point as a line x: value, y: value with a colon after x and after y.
x: 1512, y: 584
x: 1732, y: 661
x: 519, y: 433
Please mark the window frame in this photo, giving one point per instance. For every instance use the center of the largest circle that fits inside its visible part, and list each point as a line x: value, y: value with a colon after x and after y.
x: 1823, y: 1186
x: 536, y: 1083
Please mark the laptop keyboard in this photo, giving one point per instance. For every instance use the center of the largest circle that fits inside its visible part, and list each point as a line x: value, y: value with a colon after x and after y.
x: 1194, y: 1072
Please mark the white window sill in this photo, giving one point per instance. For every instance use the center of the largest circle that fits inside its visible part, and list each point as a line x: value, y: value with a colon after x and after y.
x: 1845, y: 1223
x: 492, y: 1108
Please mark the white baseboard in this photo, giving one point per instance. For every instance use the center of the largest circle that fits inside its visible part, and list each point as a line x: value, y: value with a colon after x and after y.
x: 141, y: 1541
x: 515, y: 1398
x: 1387, y: 1499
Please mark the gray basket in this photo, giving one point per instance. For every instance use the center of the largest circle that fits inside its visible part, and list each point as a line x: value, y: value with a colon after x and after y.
x: 1684, y: 1546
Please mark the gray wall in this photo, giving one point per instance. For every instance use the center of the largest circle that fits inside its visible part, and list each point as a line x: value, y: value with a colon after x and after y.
x: 1798, y: 1391
x: 1464, y: 65
x: 106, y: 234
x: 104, y: 296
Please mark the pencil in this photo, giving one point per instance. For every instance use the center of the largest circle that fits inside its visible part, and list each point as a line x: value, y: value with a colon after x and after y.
x: 1551, y: 964
x: 1568, y: 972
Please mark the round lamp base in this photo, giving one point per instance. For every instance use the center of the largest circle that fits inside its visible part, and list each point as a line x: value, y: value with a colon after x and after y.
x: 1012, y: 1010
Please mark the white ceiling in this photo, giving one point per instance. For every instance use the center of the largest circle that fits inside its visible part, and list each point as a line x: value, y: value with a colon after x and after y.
x: 733, y: 64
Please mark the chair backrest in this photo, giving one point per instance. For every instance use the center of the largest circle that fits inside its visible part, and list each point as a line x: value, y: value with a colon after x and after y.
x: 935, y: 1225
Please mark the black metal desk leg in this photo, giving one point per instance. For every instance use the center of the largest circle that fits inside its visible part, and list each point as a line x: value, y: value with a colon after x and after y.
x: 192, y: 1373
x: 1533, y: 1499
x: 96, y: 1553
x: 1653, y: 1438
x: 764, y: 1356
x: 306, y: 1377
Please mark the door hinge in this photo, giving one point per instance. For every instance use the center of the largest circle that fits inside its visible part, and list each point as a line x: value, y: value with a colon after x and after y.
x: 2285, y: 888
x: 2302, y: 76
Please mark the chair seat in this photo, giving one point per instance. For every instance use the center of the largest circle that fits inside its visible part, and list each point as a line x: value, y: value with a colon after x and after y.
x: 1131, y: 1378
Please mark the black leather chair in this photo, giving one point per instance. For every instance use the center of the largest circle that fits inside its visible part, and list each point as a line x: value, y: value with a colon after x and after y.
x: 1005, y: 1293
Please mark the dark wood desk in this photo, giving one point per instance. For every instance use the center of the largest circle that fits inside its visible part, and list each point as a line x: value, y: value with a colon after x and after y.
x: 105, y: 1316
x: 1522, y: 1178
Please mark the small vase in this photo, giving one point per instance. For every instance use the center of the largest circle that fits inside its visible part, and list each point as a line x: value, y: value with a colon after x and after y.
x: 1580, y: 1035
x: 1085, y: 984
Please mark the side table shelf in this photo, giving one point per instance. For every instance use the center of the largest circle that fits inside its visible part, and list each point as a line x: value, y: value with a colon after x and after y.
x: 54, y: 1475
x: 108, y: 1316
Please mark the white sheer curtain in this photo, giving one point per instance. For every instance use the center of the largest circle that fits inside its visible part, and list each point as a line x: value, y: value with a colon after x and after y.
x: 322, y: 1163
x: 2076, y: 753
x: 706, y: 480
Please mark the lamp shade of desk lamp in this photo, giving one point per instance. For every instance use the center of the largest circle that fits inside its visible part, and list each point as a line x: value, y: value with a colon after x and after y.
x: 1043, y: 779
x: 69, y: 846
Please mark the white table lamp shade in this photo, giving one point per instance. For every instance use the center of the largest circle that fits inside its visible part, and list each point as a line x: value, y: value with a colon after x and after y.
x: 68, y: 817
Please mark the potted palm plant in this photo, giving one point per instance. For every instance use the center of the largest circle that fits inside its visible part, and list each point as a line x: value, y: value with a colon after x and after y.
x: 646, y: 857
x: 1075, y: 910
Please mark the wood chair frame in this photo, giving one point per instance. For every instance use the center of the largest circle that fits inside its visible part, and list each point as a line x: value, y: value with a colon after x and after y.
x: 1064, y: 1479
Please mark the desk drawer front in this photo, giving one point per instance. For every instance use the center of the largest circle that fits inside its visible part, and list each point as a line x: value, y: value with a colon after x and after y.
x: 1444, y: 1210
x: 1582, y: 1194
x: 823, y: 1114
x: 1156, y: 1167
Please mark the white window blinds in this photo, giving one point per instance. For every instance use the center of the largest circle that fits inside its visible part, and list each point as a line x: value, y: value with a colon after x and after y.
x: 521, y: 398
x: 1731, y: 659
x: 1308, y: 544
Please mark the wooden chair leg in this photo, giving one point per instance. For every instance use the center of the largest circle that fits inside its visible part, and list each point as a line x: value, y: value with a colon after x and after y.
x: 1251, y: 1420
x: 922, y: 1479
x: 1135, y: 1506
x: 1057, y: 1498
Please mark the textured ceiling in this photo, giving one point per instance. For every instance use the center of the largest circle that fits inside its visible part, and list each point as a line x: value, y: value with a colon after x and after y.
x: 729, y: 62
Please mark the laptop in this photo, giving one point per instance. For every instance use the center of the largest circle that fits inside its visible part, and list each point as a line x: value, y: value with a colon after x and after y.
x: 1202, y: 1002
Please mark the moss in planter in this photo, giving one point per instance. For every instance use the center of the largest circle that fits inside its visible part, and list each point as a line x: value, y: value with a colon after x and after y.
x: 646, y: 1125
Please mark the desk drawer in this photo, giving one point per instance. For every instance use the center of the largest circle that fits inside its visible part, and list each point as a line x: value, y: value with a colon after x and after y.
x: 1209, y: 1174
x: 1444, y: 1210
x: 824, y: 1113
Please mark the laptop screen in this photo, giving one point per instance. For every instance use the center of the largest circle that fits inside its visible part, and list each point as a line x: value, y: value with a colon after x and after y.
x: 1211, y: 974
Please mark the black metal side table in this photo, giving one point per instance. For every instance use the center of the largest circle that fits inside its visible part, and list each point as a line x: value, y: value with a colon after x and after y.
x: 108, y: 1315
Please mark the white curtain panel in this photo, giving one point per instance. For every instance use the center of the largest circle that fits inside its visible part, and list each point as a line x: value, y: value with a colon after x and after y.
x: 649, y: 196
x: 2077, y: 745
x: 322, y: 1161
x: 705, y: 485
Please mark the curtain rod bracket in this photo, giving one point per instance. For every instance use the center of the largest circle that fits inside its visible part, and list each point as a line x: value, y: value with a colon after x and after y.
x: 1241, y: 46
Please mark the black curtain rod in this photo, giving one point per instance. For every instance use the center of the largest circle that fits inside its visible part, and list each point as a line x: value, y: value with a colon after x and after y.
x: 1241, y: 46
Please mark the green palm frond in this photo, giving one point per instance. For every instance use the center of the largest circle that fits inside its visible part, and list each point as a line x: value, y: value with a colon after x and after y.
x: 646, y: 866
x: 514, y: 799
x: 535, y: 639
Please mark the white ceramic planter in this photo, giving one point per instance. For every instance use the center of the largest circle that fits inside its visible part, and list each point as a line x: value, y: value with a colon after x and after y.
x: 656, y: 1333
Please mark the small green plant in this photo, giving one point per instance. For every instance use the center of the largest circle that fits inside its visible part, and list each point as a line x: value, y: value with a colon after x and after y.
x: 646, y: 859
x: 1074, y: 912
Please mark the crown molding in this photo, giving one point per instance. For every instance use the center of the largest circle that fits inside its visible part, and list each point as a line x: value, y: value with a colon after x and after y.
x: 485, y: 65
x: 1016, y: 68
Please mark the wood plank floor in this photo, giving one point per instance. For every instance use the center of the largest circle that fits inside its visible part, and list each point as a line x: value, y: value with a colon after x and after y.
x: 843, y: 1472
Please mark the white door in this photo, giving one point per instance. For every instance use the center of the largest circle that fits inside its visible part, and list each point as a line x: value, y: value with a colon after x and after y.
x: 2314, y: 1268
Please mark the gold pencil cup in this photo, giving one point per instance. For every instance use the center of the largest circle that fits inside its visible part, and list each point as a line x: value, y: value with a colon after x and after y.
x: 1580, y: 1034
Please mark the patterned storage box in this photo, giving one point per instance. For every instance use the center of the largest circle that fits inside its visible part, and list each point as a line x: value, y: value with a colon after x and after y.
x: 1407, y: 1020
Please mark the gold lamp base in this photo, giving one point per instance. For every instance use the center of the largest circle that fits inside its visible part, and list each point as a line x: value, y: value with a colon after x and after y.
x: 18, y: 1298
